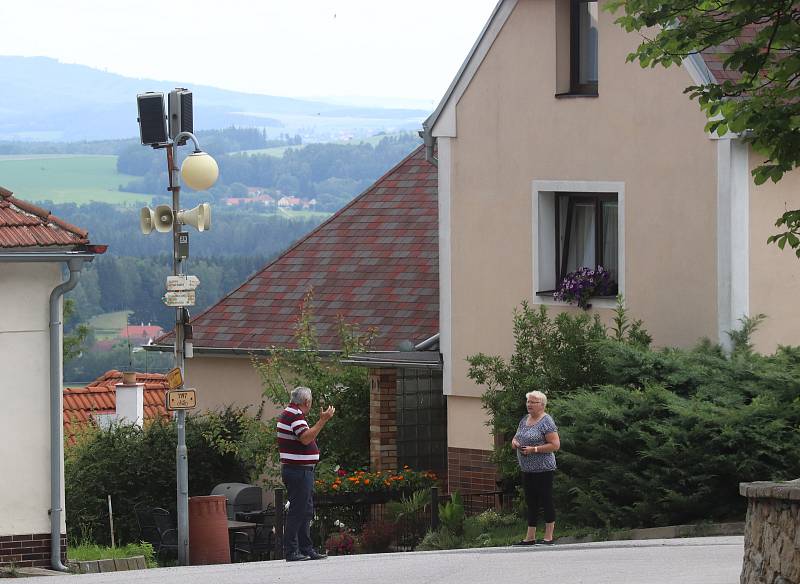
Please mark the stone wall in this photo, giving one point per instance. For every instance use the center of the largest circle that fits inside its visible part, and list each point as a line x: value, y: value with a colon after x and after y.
x: 772, y: 533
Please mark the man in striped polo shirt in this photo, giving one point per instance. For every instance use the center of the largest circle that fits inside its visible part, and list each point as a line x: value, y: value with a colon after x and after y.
x: 297, y: 444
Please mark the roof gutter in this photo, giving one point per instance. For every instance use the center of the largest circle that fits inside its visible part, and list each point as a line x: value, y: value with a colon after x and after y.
x: 233, y: 351
x: 392, y: 363
x: 74, y: 261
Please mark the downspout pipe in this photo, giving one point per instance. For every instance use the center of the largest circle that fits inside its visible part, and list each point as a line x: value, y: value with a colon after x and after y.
x: 56, y: 417
x: 429, y: 141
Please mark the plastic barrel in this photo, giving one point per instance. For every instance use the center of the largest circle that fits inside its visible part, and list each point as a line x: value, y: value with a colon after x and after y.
x: 208, y: 531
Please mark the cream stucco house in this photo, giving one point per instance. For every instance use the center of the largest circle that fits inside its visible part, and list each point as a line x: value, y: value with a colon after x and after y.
x: 35, y: 249
x: 554, y: 153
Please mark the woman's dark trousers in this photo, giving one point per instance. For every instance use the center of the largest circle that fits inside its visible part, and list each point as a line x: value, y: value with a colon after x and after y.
x: 538, y: 487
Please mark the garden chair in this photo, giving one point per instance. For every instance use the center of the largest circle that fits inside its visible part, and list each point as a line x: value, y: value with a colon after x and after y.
x: 147, y: 526
x: 261, y: 543
x: 166, y: 530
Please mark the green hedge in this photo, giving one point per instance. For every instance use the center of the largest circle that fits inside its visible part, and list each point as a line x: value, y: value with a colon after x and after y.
x: 648, y: 437
x: 134, y: 465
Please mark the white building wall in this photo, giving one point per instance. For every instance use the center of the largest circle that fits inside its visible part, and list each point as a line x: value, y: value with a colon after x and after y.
x: 25, y: 396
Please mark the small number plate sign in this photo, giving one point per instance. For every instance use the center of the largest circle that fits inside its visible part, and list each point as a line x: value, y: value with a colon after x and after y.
x: 181, y: 399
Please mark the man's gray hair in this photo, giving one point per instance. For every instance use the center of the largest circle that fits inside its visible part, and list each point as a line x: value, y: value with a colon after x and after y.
x: 300, y: 395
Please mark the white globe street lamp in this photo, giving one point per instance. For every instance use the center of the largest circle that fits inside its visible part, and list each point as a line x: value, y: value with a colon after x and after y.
x: 199, y: 171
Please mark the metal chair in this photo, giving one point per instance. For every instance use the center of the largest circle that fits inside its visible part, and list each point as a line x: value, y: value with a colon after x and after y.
x: 167, y: 531
x: 261, y: 543
x: 147, y: 526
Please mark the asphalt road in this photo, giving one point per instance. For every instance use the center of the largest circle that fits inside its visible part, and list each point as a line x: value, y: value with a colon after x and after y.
x: 711, y: 560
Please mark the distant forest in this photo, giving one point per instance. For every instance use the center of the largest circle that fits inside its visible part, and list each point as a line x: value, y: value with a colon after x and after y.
x: 131, y: 275
x: 330, y: 173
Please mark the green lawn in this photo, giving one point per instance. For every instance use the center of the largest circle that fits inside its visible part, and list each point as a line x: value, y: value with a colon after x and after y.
x: 66, y: 179
x: 108, y: 325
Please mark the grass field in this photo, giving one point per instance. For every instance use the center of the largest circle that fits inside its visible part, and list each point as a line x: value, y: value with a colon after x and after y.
x: 108, y: 325
x: 66, y: 179
x: 303, y: 214
x: 279, y: 151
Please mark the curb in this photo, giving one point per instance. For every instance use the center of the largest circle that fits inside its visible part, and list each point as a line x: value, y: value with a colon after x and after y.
x: 667, y: 532
x: 111, y: 565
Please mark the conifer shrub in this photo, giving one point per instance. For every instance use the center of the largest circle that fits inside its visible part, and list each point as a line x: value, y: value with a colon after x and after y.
x: 648, y: 436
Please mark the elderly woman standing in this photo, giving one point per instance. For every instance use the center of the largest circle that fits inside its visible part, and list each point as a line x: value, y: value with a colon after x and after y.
x: 535, y: 442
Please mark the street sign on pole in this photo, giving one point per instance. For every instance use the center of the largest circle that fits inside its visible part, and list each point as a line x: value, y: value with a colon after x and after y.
x: 174, y: 378
x: 182, y: 283
x: 182, y: 399
x: 180, y: 299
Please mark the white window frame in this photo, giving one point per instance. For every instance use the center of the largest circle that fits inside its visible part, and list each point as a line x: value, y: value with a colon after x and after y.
x: 544, y: 250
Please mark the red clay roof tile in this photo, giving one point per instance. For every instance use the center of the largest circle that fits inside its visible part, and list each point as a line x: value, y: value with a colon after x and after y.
x: 24, y: 225
x: 99, y: 397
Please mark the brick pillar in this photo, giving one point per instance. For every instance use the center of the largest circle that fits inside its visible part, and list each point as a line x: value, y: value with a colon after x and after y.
x: 470, y: 470
x: 383, y: 419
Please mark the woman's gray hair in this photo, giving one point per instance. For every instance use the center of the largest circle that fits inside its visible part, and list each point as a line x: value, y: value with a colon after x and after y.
x: 300, y: 395
x: 537, y: 395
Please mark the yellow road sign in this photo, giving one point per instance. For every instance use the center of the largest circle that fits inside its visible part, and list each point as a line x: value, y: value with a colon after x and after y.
x: 174, y: 378
x: 182, y: 399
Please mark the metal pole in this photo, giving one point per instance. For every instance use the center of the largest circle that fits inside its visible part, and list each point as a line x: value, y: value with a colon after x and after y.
x: 181, y: 457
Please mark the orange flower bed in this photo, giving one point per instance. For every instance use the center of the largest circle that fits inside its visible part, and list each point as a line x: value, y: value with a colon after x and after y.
x: 360, y: 481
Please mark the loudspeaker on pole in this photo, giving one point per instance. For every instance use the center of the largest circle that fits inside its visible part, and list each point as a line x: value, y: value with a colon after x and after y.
x: 199, y: 217
x: 147, y: 220
x: 164, y: 218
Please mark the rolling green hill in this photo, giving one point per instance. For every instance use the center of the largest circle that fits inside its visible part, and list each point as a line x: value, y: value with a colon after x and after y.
x: 66, y: 179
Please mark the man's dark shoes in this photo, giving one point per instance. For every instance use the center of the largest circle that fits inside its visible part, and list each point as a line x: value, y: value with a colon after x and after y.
x: 525, y: 543
x: 297, y: 557
x: 545, y: 542
x: 315, y: 555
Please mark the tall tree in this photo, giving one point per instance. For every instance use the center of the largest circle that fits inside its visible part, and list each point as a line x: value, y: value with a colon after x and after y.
x: 75, y: 342
x: 760, y: 98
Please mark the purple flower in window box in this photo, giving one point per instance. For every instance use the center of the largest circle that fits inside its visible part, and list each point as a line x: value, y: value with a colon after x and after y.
x: 579, y: 286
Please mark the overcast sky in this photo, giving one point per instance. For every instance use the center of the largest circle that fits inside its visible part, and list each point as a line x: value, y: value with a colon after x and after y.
x: 300, y: 48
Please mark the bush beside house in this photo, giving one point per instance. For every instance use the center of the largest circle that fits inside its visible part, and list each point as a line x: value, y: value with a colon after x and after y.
x: 136, y: 465
x: 648, y: 436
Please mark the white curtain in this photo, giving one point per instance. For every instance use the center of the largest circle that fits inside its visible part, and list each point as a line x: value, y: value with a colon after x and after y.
x: 581, y: 238
x: 610, y: 238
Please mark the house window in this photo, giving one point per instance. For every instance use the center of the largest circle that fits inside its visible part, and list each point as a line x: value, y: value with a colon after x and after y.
x: 577, y: 224
x: 586, y: 233
x: 576, y: 48
x: 583, y: 47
